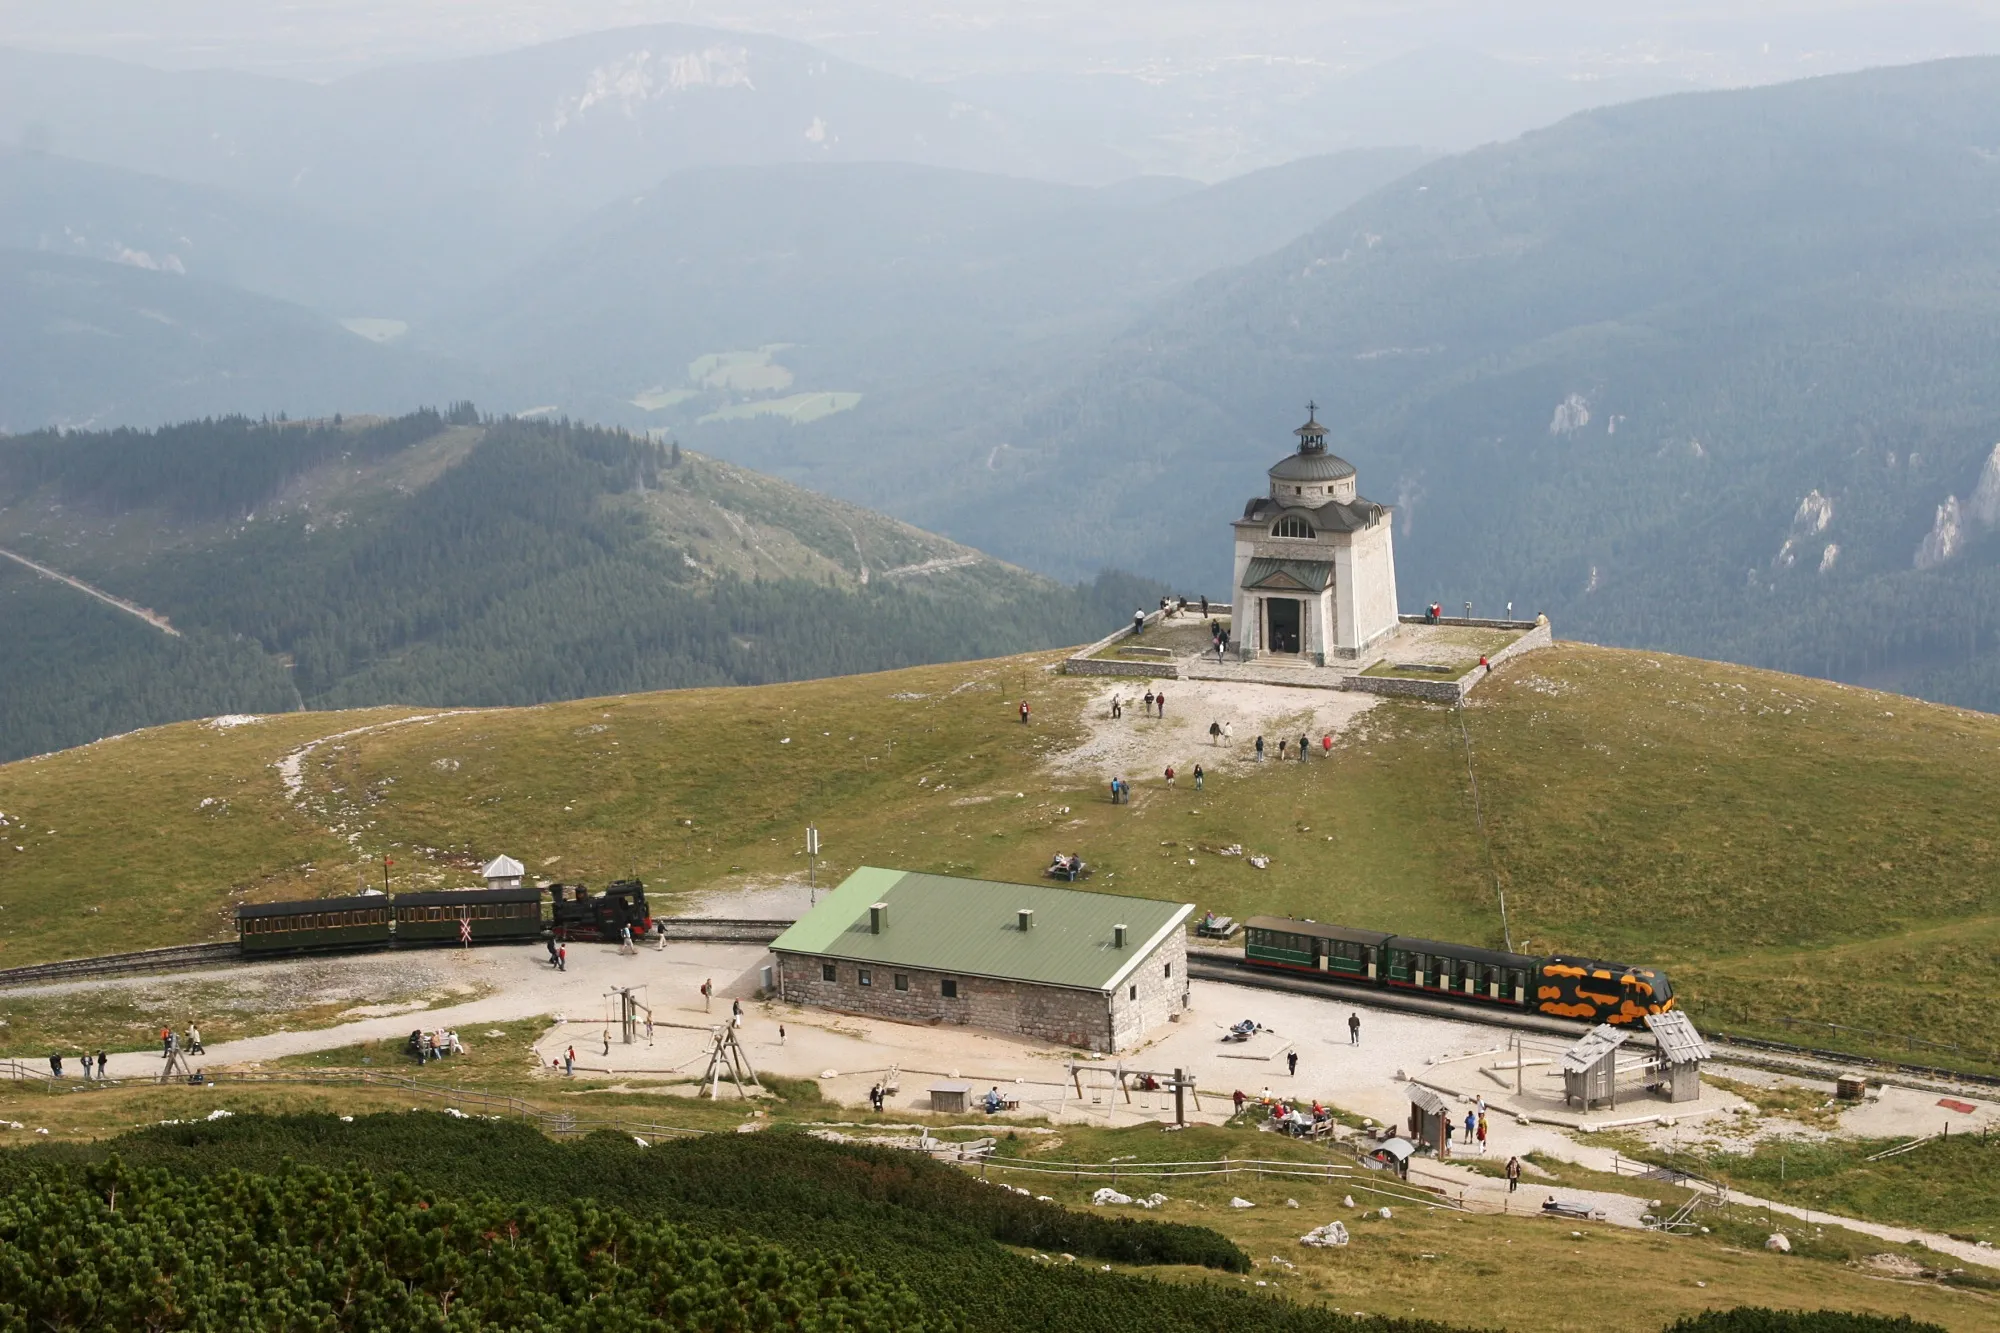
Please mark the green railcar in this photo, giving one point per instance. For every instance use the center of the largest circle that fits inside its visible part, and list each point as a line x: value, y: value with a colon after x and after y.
x: 468, y: 916
x: 320, y: 923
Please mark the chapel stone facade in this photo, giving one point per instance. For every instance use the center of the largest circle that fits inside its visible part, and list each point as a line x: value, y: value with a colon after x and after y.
x: 1315, y: 564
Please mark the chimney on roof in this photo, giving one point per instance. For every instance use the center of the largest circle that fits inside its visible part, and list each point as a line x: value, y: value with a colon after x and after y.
x: 878, y: 917
x: 1118, y: 936
x: 1026, y: 916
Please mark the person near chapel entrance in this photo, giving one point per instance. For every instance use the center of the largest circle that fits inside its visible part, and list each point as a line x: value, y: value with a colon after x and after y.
x: 1513, y: 1174
x: 1354, y: 1029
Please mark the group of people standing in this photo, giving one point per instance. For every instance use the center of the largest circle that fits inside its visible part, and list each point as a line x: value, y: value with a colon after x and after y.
x: 93, y: 1065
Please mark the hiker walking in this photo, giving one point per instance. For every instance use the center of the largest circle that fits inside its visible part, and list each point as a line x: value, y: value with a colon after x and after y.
x: 1229, y: 733
x: 1305, y: 749
x: 194, y: 1041
x: 1281, y: 749
x: 55, y: 1065
x: 1485, y: 665
x: 101, y: 1058
x: 1292, y: 1063
x: 1513, y: 1174
x: 707, y: 989
x: 1024, y: 712
x: 649, y: 1028
x: 86, y: 1066
x: 569, y: 1063
x: 562, y: 958
x: 1469, y: 1122
x: 1160, y: 703
x: 1215, y: 733
x: 1138, y: 623
x: 1260, y: 749
x: 1197, y: 777
x: 1170, y: 777
x: 1482, y: 1134
x: 1326, y: 745
x: 551, y: 942
x: 736, y: 1013
x: 1204, y: 606
x: 607, y: 1043
x: 781, y: 1034
x: 1117, y: 708
x: 1353, y: 1029
x: 1149, y: 703
x: 1239, y: 1098
x: 166, y: 1040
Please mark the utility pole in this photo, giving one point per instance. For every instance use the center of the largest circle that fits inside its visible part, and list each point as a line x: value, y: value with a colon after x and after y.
x: 812, y: 865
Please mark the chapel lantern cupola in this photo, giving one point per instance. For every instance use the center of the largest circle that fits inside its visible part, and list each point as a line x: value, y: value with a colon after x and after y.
x: 1312, y: 476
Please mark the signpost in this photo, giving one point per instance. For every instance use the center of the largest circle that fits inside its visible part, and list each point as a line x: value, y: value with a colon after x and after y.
x: 812, y: 864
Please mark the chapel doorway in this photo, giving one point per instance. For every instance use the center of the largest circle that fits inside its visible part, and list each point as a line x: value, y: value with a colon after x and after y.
x: 1281, y: 624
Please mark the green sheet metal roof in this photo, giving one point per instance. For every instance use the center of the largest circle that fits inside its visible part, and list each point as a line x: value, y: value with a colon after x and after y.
x: 969, y: 926
x: 1307, y: 574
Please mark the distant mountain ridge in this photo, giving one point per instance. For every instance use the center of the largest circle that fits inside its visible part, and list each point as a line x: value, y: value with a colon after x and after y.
x: 483, y: 157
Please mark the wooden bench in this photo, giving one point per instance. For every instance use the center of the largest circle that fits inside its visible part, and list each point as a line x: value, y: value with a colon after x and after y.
x: 1221, y: 929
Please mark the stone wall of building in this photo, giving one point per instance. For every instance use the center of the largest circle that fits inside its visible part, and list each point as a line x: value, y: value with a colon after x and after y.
x: 1161, y: 981
x: 1086, y: 1019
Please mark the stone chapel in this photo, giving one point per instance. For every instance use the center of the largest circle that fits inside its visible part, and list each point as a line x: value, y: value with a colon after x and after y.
x: 1315, y: 566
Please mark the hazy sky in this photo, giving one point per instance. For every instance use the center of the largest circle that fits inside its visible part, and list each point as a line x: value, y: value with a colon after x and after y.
x: 1702, y: 41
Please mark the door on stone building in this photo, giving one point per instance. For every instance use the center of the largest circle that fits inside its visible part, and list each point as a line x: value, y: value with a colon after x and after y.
x: 1282, y: 627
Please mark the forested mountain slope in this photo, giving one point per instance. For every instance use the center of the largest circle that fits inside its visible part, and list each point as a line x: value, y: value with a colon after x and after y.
x: 451, y: 559
x: 1710, y: 372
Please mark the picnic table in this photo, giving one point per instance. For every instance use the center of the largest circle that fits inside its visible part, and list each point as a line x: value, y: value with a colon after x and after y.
x: 1216, y: 927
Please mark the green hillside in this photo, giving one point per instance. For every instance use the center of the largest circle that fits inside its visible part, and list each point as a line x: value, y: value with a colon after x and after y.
x: 1787, y: 848
x: 450, y: 559
x: 1707, y: 372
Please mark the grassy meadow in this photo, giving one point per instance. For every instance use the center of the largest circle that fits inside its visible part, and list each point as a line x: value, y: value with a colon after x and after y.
x: 1786, y: 847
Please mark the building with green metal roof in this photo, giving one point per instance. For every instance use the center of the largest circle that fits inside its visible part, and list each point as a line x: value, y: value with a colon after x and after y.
x: 1097, y: 971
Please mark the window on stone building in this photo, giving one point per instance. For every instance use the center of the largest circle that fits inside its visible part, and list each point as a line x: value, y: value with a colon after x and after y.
x: 948, y: 988
x: 1169, y: 972
x: 1133, y: 993
x: 827, y: 972
x: 1291, y: 525
x: 902, y: 982
x: 864, y: 976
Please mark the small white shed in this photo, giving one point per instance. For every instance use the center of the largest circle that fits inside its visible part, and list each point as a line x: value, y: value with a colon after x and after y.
x: 503, y: 872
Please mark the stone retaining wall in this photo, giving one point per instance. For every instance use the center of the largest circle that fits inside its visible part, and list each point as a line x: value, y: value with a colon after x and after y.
x: 1538, y: 635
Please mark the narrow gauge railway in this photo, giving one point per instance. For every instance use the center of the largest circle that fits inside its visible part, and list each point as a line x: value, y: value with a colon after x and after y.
x: 1557, y: 985
x: 444, y: 917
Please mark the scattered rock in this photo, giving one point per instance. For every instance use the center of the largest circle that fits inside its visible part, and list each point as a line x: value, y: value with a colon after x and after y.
x: 1331, y: 1235
x: 1109, y: 1195
x: 1385, y: 1214
x: 1241, y: 1203
x: 1779, y: 1243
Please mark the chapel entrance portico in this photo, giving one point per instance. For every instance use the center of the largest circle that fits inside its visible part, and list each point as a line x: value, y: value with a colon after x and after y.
x: 1282, y: 618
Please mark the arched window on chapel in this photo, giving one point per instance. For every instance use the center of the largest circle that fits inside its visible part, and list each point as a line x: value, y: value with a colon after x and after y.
x: 1291, y: 525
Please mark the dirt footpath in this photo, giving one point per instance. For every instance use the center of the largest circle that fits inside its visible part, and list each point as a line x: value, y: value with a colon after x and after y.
x: 1140, y: 746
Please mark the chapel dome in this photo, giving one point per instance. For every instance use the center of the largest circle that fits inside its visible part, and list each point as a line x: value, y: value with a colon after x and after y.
x: 1311, y: 463
x: 1311, y: 467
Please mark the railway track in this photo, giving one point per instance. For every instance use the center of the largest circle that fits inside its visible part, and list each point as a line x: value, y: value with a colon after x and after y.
x: 1217, y: 965
x: 175, y: 959
x: 182, y: 957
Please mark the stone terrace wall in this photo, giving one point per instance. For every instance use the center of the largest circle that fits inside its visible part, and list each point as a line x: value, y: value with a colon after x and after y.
x: 1451, y: 691
x: 1085, y: 662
